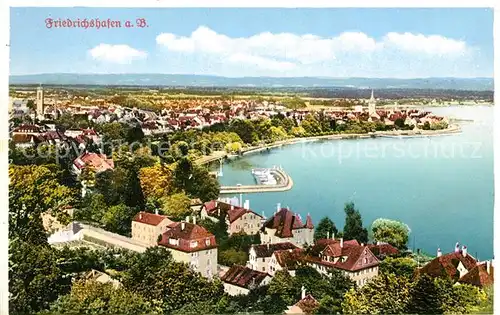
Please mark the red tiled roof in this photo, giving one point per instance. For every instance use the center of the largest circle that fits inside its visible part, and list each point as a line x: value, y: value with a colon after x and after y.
x: 383, y: 249
x: 308, y: 304
x: 358, y: 257
x: 284, y: 221
x: 149, y: 218
x: 309, y: 223
x: 27, y: 128
x: 191, y: 238
x: 446, y: 265
x: 479, y: 276
x: 290, y: 258
x: 99, y: 161
x: 243, y: 277
x: 267, y: 250
x: 233, y: 212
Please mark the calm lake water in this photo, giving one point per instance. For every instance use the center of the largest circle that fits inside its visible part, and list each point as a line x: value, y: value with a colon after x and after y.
x: 441, y: 186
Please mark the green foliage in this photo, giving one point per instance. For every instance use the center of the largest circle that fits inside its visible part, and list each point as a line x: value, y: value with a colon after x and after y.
x: 283, y: 285
x: 35, y: 280
x: 34, y: 190
x: 294, y: 103
x: 234, y: 249
x: 393, y: 232
x: 353, y: 228
x: 176, y: 205
x: 424, y: 297
x: 401, y: 266
x: 195, y: 180
x: 385, y: 294
x: 93, y: 297
x: 325, y: 229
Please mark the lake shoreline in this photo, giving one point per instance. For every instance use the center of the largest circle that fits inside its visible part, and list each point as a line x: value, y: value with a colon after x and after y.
x: 452, y: 129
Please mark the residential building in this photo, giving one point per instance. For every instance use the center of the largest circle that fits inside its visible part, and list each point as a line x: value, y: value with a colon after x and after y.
x: 460, y: 267
x: 285, y: 226
x: 99, y: 162
x: 192, y: 244
x: 239, y: 280
x: 148, y: 227
x: 288, y: 260
x: 238, y: 219
x: 480, y: 276
x: 355, y: 260
x: 260, y: 255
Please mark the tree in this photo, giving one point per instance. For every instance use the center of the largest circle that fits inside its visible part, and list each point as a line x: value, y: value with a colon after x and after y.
x: 118, y: 219
x: 177, y: 205
x: 231, y: 256
x: 385, y: 294
x: 92, y: 297
x: 353, y: 228
x: 34, y: 190
x: 156, y: 180
x: 401, y: 266
x: 35, y: 280
x: 425, y: 297
x: 457, y: 299
x: 390, y: 231
x: 325, y: 229
x: 155, y: 275
x: 282, y: 285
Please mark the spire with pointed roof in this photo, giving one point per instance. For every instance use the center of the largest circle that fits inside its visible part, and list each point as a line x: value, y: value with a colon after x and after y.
x: 309, y: 223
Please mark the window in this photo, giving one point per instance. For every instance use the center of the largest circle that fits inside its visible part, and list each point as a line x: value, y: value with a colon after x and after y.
x: 172, y: 241
x: 366, y: 260
x: 193, y: 244
x: 207, y: 242
x: 263, y: 268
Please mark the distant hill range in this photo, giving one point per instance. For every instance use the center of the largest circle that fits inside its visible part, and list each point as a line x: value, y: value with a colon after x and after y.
x: 179, y: 80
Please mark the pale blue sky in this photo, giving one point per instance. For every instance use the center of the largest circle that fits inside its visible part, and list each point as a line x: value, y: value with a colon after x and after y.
x: 358, y: 42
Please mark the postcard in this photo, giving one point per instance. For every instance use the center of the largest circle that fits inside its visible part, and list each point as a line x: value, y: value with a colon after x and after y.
x: 250, y: 160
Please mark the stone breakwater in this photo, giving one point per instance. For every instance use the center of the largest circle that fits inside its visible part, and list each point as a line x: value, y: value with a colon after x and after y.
x: 284, y: 180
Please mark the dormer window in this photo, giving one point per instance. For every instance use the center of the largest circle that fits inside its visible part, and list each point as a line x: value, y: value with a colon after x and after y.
x: 207, y: 242
x: 194, y: 244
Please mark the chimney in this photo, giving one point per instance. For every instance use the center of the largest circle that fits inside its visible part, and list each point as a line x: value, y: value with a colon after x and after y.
x: 183, y: 226
x: 328, y: 234
x: 341, y: 242
x: 278, y: 207
x: 333, y: 235
x: 156, y: 211
x: 232, y: 207
x: 457, y: 247
x: 194, y: 219
x: 488, y: 267
x: 303, y: 292
x: 187, y: 219
x: 464, y: 251
x: 140, y: 216
x: 246, y: 205
x: 439, y: 253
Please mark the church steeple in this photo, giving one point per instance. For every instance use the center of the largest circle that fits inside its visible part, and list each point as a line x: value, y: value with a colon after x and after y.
x: 371, y: 105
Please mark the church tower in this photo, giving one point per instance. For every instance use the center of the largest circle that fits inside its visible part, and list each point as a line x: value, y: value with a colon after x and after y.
x: 39, y: 102
x: 371, y: 106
